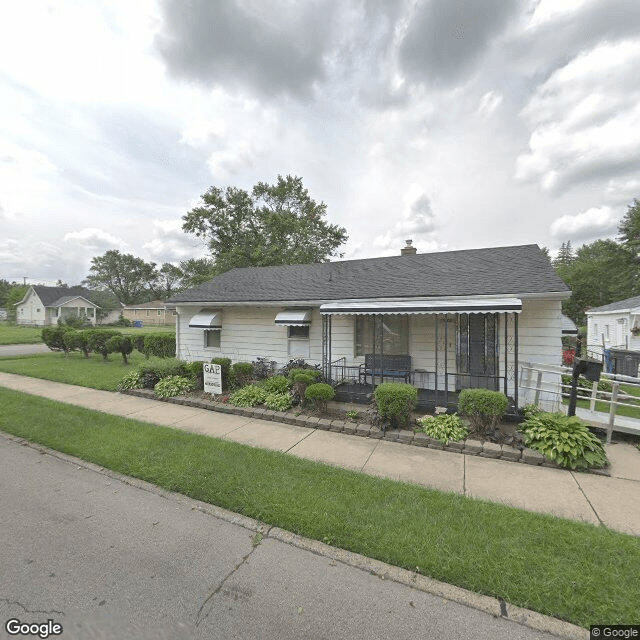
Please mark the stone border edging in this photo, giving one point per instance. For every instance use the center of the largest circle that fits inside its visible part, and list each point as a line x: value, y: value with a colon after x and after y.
x: 404, y: 436
x: 487, y: 604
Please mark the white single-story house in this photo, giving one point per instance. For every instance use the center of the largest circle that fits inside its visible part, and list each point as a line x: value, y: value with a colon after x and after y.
x: 43, y: 306
x: 614, y: 326
x: 442, y: 321
x: 153, y: 312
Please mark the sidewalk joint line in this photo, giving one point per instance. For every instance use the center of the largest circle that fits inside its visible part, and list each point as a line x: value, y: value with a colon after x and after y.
x: 573, y: 475
x: 369, y: 456
x: 299, y: 441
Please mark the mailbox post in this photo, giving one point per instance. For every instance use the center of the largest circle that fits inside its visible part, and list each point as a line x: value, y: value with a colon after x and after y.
x: 591, y: 370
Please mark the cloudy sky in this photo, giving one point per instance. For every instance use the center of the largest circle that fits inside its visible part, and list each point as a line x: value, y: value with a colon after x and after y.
x: 457, y: 123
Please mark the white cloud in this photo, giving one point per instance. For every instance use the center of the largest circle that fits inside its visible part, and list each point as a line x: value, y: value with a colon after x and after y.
x: 96, y: 239
x: 593, y: 223
x: 585, y: 120
x: 171, y: 244
x: 489, y: 102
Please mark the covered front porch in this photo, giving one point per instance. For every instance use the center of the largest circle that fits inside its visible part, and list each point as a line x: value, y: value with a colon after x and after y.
x: 440, y: 346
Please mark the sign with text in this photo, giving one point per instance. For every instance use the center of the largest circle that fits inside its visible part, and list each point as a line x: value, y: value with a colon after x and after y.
x: 212, y: 378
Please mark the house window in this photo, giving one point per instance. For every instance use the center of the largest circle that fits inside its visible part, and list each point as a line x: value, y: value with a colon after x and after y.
x: 89, y: 312
x: 159, y: 312
x: 37, y: 310
x: 298, y: 341
x: 606, y: 331
x: 148, y: 313
x: 395, y: 334
x: 212, y: 338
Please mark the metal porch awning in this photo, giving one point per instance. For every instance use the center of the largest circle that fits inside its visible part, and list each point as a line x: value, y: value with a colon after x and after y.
x: 468, y: 305
x: 294, y: 318
x: 206, y: 319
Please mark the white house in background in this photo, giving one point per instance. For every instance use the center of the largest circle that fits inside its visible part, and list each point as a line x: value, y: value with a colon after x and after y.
x: 42, y: 306
x: 615, y: 325
x: 454, y: 319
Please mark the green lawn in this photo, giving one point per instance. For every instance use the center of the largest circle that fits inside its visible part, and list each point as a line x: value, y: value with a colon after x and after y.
x: 91, y: 372
x: 14, y: 334
x: 570, y: 570
x: 605, y: 407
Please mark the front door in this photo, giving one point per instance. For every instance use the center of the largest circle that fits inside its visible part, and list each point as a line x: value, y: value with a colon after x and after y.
x: 477, y: 351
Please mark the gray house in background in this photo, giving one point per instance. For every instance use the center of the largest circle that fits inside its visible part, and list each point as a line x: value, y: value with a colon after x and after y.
x: 43, y: 306
x: 454, y: 319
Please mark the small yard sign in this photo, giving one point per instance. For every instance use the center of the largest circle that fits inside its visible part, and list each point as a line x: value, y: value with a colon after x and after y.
x: 212, y: 378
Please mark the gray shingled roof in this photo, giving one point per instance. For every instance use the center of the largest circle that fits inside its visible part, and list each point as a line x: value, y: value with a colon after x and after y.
x: 50, y: 296
x: 492, y: 271
x: 628, y: 303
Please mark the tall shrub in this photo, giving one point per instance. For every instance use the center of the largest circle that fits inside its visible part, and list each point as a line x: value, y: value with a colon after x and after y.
x: 395, y: 401
x: 53, y: 337
x: 483, y: 407
x: 120, y: 344
x: 77, y: 340
x: 225, y: 365
x: 98, y: 339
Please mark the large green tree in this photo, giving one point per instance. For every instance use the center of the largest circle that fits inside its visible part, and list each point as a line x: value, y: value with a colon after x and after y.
x: 629, y: 227
x: 129, y: 278
x: 273, y: 225
x: 195, y: 271
x: 598, y: 273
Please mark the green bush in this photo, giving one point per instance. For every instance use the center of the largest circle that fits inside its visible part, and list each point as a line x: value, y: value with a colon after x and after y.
x: 275, y: 384
x: 77, y: 340
x: 97, y: 340
x: 241, y: 373
x: 320, y: 393
x: 446, y: 428
x: 194, y: 371
x: 278, y: 401
x: 530, y: 410
x: 120, y: 344
x: 133, y: 380
x: 225, y: 364
x: 152, y: 372
x: 53, y: 337
x: 395, y: 401
x: 248, y: 396
x: 138, y: 343
x: 75, y: 322
x: 604, y: 384
x: 564, y: 439
x: 483, y: 407
x: 162, y: 345
x: 300, y: 379
x: 173, y: 386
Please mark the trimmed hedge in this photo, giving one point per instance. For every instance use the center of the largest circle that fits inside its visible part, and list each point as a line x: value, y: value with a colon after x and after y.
x: 120, y: 344
x: 225, y: 364
x: 395, y: 401
x: 53, y: 337
x: 320, y: 393
x: 483, y: 407
x: 162, y: 345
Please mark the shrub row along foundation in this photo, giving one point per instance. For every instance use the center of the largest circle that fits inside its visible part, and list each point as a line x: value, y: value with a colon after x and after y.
x: 468, y: 447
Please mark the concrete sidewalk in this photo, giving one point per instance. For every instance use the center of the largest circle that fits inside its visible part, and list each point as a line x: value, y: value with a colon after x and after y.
x: 611, y: 501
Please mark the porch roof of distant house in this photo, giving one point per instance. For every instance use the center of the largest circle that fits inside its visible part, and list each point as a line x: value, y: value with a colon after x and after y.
x: 60, y: 301
x: 502, y: 271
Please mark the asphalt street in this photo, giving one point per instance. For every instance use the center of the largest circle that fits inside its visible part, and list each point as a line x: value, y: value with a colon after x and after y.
x: 107, y: 558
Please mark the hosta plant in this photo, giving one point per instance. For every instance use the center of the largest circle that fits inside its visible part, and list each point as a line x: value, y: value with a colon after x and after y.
x: 446, y: 428
x: 133, y: 380
x: 275, y: 384
x: 249, y: 396
x: 173, y: 386
x: 565, y: 440
x: 278, y: 401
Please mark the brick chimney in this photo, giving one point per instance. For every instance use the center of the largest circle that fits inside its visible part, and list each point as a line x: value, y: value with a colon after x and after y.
x: 408, y: 250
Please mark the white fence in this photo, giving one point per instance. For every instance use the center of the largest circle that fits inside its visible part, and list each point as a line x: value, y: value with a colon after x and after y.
x: 542, y: 385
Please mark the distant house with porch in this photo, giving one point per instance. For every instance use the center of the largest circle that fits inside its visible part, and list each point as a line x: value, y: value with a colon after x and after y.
x: 614, y: 325
x: 442, y: 321
x: 43, y: 306
x: 153, y: 312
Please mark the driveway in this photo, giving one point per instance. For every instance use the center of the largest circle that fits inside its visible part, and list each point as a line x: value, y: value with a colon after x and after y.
x: 22, y: 349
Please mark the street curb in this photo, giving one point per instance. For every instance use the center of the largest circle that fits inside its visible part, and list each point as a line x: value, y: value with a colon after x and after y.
x: 487, y: 604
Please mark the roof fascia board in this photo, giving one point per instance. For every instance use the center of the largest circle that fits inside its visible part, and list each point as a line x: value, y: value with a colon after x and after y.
x: 553, y: 295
